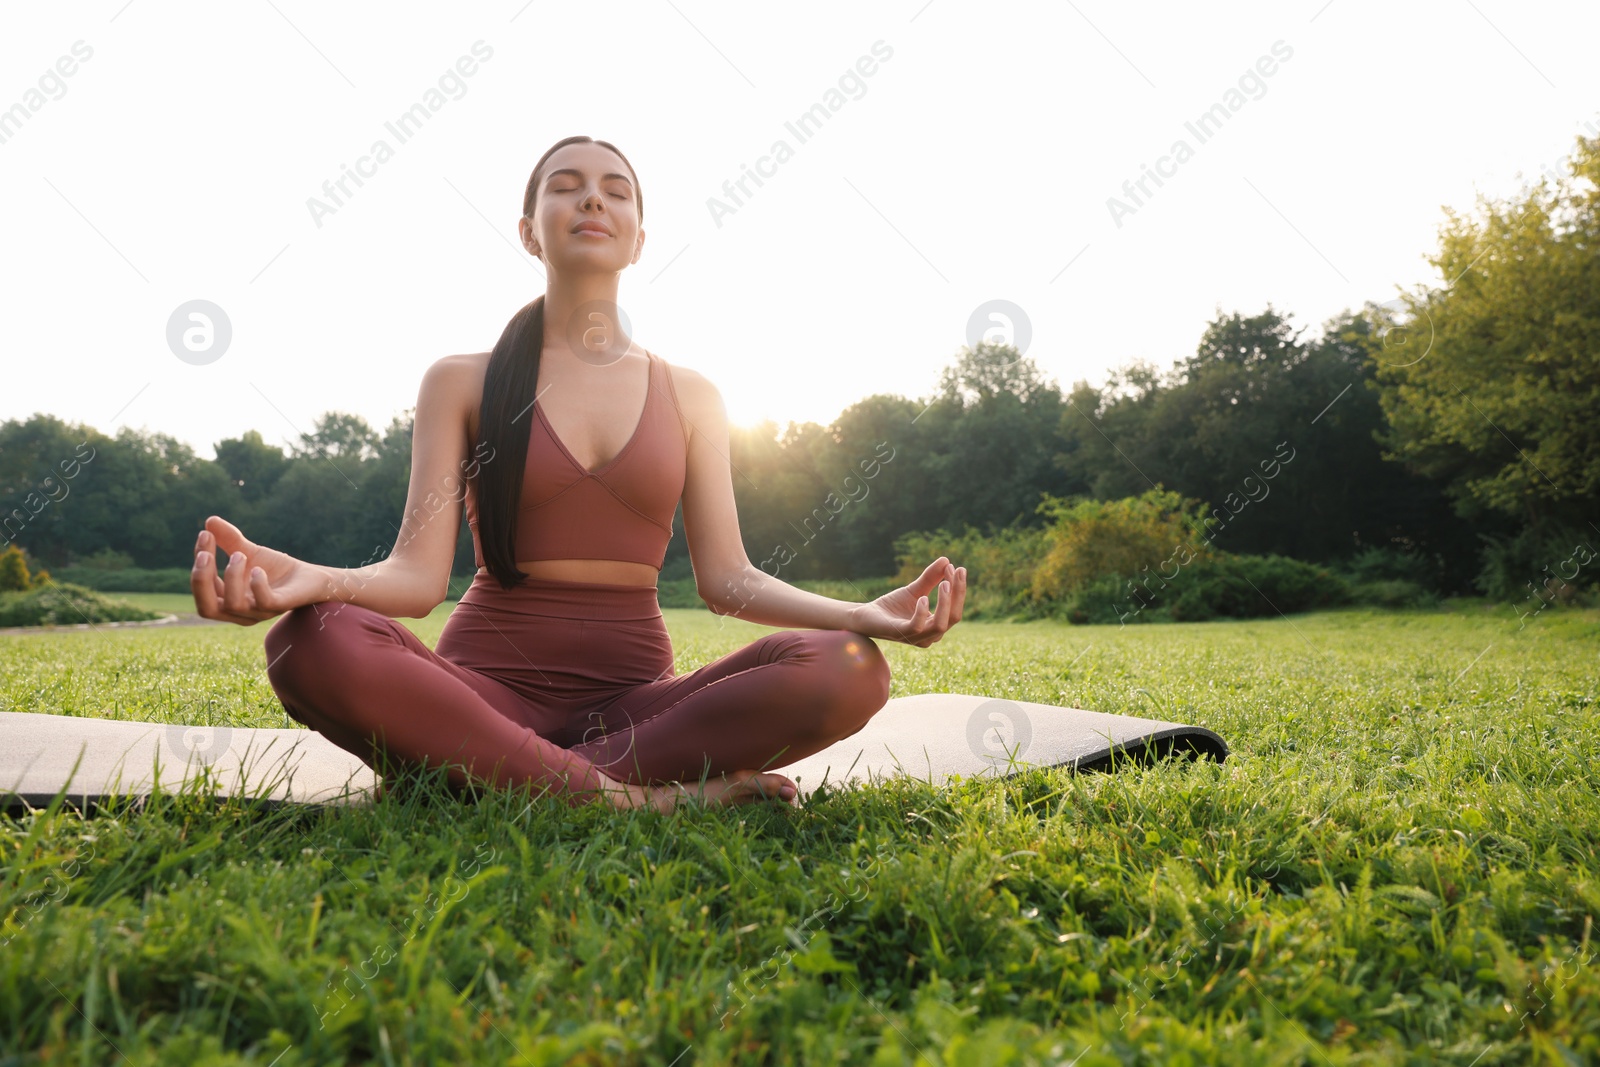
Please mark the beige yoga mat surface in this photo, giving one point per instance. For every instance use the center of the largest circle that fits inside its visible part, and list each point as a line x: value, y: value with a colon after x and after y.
x: 934, y: 736
x: 115, y: 757
x: 929, y: 736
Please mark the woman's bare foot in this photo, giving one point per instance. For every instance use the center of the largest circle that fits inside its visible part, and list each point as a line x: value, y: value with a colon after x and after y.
x: 723, y: 790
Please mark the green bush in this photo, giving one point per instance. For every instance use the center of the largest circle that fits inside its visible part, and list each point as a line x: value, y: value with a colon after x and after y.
x: 1237, y: 587
x: 1386, y: 563
x: 1243, y: 587
x: 677, y: 593
x: 1094, y: 539
x: 1393, y: 593
x: 62, y: 604
x: 1000, y: 566
x: 1107, y: 599
x: 107, y: 559
x: 1558, y: 562
x: 13, y: 570
x: 126, y: 579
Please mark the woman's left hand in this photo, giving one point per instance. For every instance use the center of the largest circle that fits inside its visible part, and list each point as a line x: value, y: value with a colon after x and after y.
x: 906, y: 615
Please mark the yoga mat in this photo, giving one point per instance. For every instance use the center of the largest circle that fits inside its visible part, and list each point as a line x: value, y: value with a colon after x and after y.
x: 930, y: 736
x: 935, y: 736
x: 121, y: 758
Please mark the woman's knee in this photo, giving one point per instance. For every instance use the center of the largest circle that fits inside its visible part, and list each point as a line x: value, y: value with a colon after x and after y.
x: 856, y: 677
x: 314, y: 641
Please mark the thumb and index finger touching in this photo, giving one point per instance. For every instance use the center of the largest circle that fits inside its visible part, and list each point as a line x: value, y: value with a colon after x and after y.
x: 931, y: 576
x: 229, y: 538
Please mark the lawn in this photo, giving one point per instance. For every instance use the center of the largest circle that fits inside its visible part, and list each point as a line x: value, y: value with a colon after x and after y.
x: 1396, y: 865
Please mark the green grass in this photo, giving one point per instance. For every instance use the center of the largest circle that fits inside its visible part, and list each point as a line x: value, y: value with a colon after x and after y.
x: 1396, y: 865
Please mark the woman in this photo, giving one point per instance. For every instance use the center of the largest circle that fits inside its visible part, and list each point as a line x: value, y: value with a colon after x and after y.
x: 555, y: 669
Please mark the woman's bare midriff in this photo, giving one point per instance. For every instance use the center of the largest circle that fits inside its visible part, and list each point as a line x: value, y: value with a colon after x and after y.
x: 603, y: 571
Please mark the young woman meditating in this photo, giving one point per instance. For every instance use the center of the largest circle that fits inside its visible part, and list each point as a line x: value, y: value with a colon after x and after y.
x: 570, y: 448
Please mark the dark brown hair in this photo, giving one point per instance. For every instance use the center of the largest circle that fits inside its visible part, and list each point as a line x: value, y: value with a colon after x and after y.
x: 504, y: 418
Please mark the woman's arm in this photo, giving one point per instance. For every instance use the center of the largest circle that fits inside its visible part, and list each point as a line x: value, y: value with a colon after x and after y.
x: 758, y: 597
x: 261, y: 582
x: 730, y: 585
x: 415, y: 577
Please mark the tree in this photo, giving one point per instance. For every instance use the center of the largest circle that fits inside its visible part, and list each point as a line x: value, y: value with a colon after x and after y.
x: 1255, y: 393
x: 991, y: 439
x: 338, y: 435
x: 1504, y: 405
x: 253, y: 466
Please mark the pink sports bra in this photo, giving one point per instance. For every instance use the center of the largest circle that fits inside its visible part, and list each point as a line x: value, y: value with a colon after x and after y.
x: 620, y: 511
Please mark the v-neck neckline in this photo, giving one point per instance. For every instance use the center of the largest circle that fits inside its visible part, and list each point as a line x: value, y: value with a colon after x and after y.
x: 649, y: 387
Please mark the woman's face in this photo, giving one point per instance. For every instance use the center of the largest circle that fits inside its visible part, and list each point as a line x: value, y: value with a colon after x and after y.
x: 585, y: 213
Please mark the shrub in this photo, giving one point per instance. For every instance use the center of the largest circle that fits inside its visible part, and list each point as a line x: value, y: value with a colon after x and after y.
x: 1242, y: 587
x: 1386, y: 563
x: 1130, y: 538
x: 61, y: 604
x: 1104, y: 600
x: 1238, y: 587
x: 13, y: 570
x: 999, y: 566
x: 1552, y: 562
x: 107, y: 559
x: 677, y: 593
x: 1139, y: 559
x: 127, y: 579
x: 1393, y: 593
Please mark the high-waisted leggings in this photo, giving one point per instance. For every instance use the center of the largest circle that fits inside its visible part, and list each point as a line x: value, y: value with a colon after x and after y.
x: 553, y: 683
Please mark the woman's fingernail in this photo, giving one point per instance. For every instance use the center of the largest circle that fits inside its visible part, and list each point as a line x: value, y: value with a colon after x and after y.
x: 786, y: 792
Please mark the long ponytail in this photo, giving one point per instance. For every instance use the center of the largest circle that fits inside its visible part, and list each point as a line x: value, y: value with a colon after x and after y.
x: 505, y: 417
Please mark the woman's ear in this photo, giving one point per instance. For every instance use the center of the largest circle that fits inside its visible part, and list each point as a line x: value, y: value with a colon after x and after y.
x: 525, y: 231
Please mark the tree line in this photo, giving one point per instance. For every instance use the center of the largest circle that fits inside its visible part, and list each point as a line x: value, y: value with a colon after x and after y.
x: 1454, y: 428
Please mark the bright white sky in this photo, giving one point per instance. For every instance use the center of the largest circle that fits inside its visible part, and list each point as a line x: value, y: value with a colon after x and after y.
x: 976, y: 165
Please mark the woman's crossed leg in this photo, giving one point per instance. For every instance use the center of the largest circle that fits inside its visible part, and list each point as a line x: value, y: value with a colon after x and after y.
x: 778, y: 699
x: 368, y: 684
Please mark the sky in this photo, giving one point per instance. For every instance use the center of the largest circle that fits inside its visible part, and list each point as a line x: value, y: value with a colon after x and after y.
x: 970, y: 171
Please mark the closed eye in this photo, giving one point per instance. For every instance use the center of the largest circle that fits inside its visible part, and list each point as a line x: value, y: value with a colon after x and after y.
x: 619, y: 196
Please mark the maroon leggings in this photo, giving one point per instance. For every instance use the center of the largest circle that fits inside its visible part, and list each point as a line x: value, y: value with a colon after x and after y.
x: 553, y: 682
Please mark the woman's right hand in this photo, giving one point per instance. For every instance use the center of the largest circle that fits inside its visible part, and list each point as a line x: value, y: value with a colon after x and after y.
x: 723, y: 790
x: 259, y: 583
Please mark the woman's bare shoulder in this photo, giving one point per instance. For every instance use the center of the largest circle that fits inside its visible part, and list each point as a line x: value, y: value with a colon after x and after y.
x: 696, y: 393
x: 460, y: 365
x: 458, y: 383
